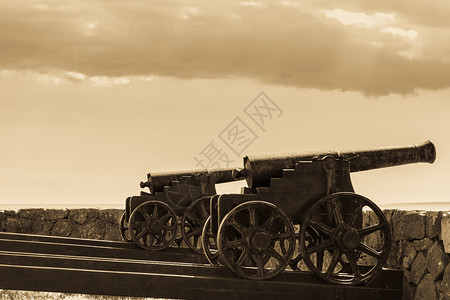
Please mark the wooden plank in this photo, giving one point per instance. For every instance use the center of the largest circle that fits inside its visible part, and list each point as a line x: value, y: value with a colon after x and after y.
x: 174, y: 286
x: 388, y: 279
x: 174, y: 254
x: 179, y: 271
x: 65, y: 240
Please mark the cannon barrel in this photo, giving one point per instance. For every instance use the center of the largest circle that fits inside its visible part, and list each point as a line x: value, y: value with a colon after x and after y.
x: 259, y: 169
x: 157, y: 180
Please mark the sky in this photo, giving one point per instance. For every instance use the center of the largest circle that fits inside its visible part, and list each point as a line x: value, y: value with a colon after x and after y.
x: 96, y: 94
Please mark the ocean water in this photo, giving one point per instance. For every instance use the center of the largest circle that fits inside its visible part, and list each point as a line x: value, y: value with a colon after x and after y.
x: 426, y: 206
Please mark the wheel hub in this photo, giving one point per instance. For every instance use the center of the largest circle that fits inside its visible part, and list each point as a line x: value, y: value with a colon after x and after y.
x: 261, y: 241
x: 155, y: 226
x: 350, y: 239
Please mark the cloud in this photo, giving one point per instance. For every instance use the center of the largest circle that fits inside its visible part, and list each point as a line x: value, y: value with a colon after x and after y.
x: 377, y: 48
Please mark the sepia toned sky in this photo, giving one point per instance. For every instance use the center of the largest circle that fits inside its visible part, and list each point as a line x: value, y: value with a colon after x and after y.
x: 96, y: 94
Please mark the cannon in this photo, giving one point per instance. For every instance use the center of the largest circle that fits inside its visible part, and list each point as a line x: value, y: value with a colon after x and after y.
x: 253, y: 232
x: 151, y: 219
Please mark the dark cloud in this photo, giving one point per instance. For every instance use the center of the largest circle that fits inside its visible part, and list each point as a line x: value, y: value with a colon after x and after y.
x: 284, y: 43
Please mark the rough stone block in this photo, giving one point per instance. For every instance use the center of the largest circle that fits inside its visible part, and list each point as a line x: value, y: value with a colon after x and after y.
x: 10, y: 213
x: 13, y: 225
x: 27, y: 225
x: 394, y: 260
x: 445, y: 284
x: 94, y: 229
x: 62, y: 228
x: 445, y: 232
x: 433, y: 223
x: 55, y: 214
x: 398, y: 224
x: 408, y: 225
x: 418, y: 268
x: 408, y: 290
x: 112, y: 232
x: 82, y: 215
x: 32, y: 213
x: 414, y: 226
x: 426, y: 289
x: 110, y: 215
x: 388, y: 214
x: 47, y: 228
x: 438, y: 285
x: 409, y: 253
x: 436, y: 260
x: 2, y: 221
x: 423, y: 244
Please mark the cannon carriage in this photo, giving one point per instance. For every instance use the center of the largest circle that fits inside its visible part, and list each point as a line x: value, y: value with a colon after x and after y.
x: 299, y: 210
x: 174, y: 210
x: 252, y: 232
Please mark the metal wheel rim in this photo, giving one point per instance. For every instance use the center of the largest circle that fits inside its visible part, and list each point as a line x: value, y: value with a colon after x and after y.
x: 195, y: 223
x: 211, y: 252
x: 124, y: 230
x: 169, y: 226
x: 350, y: 263
x: 238, y: 261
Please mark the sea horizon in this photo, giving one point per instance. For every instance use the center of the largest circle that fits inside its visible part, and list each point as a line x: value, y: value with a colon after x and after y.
x: 424, y: 206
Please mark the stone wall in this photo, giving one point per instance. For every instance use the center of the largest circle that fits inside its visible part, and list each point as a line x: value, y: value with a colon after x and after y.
x: 421, y: 240
x: 86, y: 223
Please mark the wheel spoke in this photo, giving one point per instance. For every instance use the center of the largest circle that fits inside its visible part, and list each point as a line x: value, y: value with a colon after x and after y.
x: 321, y: 227
x: 166, y: 216
x: 193, y: 219
x: 204, y: 211
x: 371, y: 229
x: 233, y: 244
x: 260, y: 263
x: 275, y: 255
x: 244, y: 255
x: 155, y: 211
x: 141, y: 234
x: 161, y: 237
x: 337, y: 214
x: 369, y: 250
x: 167, y: 227
x: 237, y: 226
x: 355, y: 215
x: 252, y: 218
x: 149, y: 239
x: 319, y: 261
x: 325, y: 245
x: 269, y: 222
x: 280, y: 236
x: 294, y: 262
x: 195, y: 232
x: 195, y: 243
x: 145, y: 214
x: 352, y: 258
x: 137, y: 224
x: 333, y: 263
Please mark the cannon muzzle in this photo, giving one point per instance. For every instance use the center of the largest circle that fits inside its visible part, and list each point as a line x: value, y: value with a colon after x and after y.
x: 259, y: 169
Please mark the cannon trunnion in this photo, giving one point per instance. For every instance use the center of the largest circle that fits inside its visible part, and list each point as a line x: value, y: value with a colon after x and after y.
x: 305, y: 199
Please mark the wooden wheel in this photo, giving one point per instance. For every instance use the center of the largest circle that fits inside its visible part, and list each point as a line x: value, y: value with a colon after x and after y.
x: 124, y: 229
x: 349, y: 252
x: 192, y: 223
x: 312, y: 238
x: 209, y: 244
x: 153, y: 225
x: 256, y: 240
